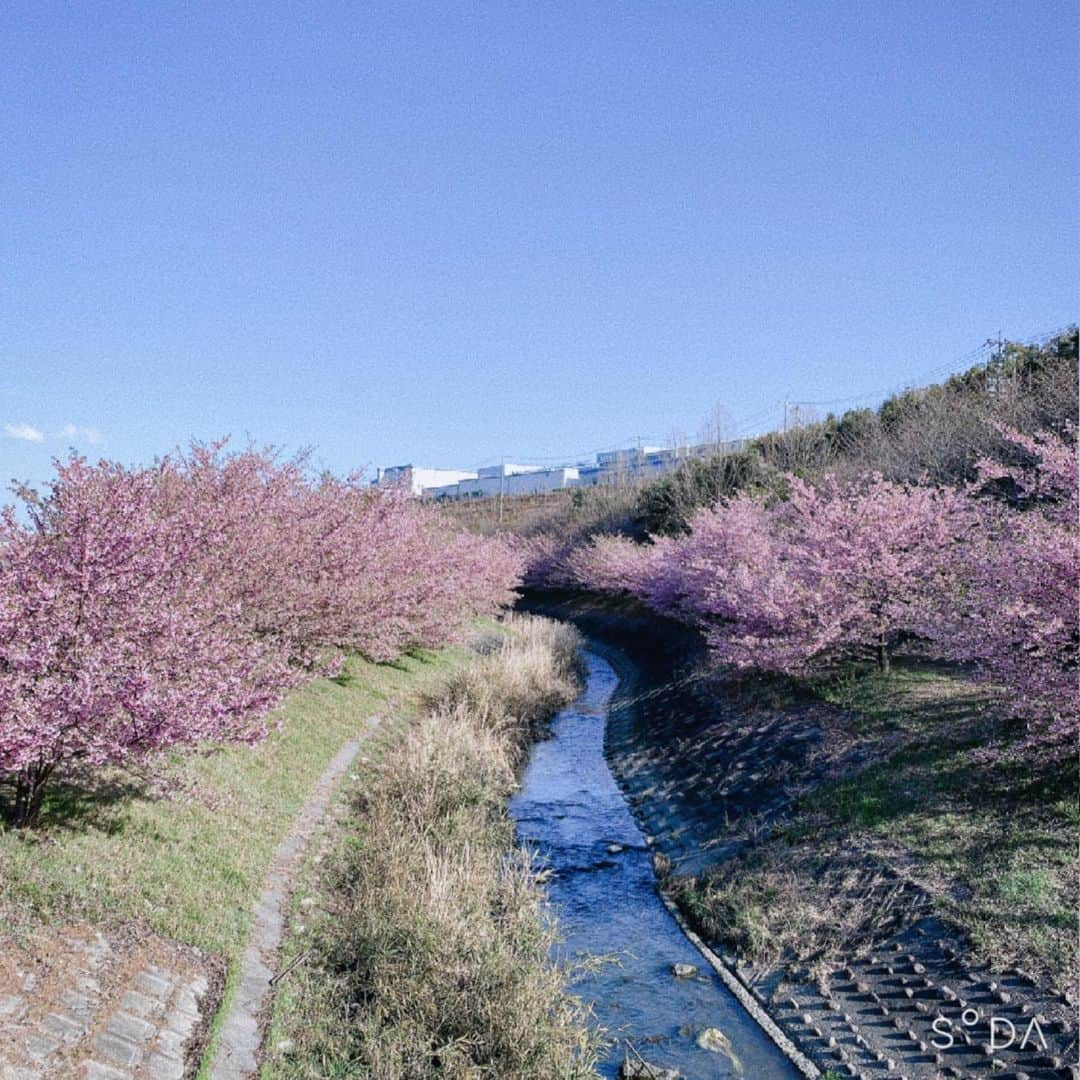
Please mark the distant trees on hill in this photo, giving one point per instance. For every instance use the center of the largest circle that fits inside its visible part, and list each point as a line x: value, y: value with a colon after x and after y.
x: 940, y: 432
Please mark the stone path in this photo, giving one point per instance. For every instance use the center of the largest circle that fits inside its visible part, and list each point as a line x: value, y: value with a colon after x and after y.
x: 240, y: 1035
x: 74, y: 1003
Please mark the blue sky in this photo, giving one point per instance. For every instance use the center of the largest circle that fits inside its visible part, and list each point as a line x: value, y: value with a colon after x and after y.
x: 448, y: 232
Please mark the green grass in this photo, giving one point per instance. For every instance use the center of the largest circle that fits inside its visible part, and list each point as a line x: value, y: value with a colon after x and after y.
x: 186, y: 855
x: 915, y: 697
x: 994, y: 843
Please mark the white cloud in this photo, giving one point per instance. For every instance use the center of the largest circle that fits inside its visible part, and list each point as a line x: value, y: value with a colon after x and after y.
x: 69, y: 433
x: 73, y: 433
x: 26, y: 432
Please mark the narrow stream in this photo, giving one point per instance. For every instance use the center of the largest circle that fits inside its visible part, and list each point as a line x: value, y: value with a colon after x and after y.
x: 571, y: 809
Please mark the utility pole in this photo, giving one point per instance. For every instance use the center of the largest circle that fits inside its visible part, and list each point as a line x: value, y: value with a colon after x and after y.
x: 785, y: 415
x: 502, y: 486
x: 995, y: 364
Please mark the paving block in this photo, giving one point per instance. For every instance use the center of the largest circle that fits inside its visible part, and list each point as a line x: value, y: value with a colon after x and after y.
x: 82, y: 1006
x: 139, y: 1004
x: 64, y: 1027
x: 170, y: 1043
x: 187, y: 1002
x: 182, y: 1023
x: 130, y: 1027
x: 17, y: 1072
x: 152, y: 984
x: 12, y: 1007
x: 95, y: 1070
x: 39, y: 1047
x: 117, y: 1049
x: 159, y: 1067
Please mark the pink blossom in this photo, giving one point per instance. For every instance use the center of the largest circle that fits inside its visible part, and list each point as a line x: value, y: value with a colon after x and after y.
x: 144, y: 608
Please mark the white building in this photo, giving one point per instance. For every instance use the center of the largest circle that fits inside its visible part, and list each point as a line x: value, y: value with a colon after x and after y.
x: 490, y: 481
x: 628, y: 459
x: 418, y: 479
x: 641, y: 463
x: 498, y: 480
x: 507, y: 469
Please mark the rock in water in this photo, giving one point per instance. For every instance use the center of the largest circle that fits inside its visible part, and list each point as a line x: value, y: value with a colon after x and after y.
x: 714, y: 1040
x: 644, y: 1070
x: 684, y: 971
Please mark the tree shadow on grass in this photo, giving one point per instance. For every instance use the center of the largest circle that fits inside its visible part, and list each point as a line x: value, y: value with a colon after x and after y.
x: 82, y: 802
x: 408, y: 660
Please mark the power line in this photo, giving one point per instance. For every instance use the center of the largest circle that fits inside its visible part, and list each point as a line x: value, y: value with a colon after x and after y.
x: 749, y: 426
x: 973, y: 358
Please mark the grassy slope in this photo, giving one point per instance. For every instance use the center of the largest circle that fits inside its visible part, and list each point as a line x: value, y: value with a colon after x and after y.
x: 417, y: 943
x: 189, y: 861
x: 996, y: 840
x: 994, y: 844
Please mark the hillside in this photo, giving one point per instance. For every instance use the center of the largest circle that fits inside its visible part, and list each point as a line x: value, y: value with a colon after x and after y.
x: 941, y: 431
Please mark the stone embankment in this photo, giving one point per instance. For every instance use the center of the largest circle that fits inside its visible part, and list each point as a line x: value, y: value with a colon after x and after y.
x: 707, y: 774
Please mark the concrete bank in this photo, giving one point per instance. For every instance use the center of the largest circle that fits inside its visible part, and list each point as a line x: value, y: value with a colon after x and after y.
x: 708, y: 770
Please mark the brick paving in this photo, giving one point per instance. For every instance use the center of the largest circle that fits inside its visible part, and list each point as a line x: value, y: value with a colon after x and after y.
x: 76, y: 1004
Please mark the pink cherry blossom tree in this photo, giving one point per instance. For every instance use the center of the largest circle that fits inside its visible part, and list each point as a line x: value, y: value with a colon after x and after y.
x: 545, y: 557
x: 143, y: 608
x: 1015, y: 614
x: 335, y: 564
x: 862, y: 562
x: 837, y: 570
x: 110, y: 643
x: 613, y: 564
x: 988, y: 575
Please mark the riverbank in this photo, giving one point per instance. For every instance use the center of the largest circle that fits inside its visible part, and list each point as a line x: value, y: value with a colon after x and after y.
x: 132, y: 886
x: 659, y: 1004
x: 835, y: 843
x: 418, y: 944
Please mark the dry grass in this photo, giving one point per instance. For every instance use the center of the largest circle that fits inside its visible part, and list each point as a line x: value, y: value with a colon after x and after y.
x: 529, y: 675
x: 782, y: 903
x: 570, y: 512
x: 429, y: 952
x: 990, y: 847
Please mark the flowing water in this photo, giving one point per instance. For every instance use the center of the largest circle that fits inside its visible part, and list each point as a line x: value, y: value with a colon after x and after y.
x: 603, y: 890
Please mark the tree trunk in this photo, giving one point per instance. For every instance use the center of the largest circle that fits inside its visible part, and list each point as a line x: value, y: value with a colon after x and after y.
x: 30, y: 794
x: 882, y: 652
